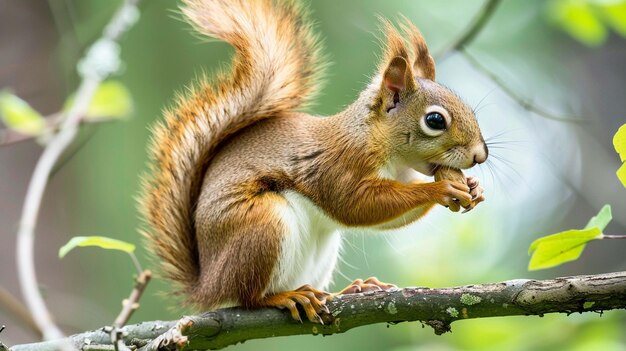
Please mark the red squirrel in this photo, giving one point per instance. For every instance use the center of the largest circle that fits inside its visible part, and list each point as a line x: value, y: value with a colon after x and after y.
x: 247, y: 197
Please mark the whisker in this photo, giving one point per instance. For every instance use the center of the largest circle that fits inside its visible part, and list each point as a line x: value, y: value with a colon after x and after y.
x: 482, y: 107
x: 502, y: 147
x: 500, y: 134
x: 507, y: 175
x: 475, y: 109
x: 500, y: 181
x: 510, y: 141
x: 510, y: 165
x: 493, y: 176
x: 437, y: 155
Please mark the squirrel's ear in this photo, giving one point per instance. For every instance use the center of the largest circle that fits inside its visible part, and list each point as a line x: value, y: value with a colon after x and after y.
x: 424, y: 65
x: 398, y: 76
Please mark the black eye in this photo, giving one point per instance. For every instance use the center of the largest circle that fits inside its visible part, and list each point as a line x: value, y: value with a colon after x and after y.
x: 435, y: 121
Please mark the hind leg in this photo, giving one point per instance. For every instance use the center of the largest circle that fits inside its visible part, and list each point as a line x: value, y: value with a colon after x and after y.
x: 252, y: 233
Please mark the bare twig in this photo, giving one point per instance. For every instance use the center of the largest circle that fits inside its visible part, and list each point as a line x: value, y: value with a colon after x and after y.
x: 2, y: 346
x: 137, y: 265
x: 129, y: 306
x: 53, y: 122
x: 93, y: 69
x: 132, y: 303
x: 15, y: 307
x: 520, y: 100
x: 604, y: 236
x: 469, y: 34
x: 11, y: 136
x: 437, y: 308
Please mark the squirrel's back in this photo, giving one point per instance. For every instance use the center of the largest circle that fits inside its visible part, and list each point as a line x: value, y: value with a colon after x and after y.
x: 275, y: 69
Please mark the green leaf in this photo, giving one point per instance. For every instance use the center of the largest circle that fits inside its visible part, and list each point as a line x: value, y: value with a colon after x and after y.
x: 100, y: 241
x: 17, y: 114
x: 555, y: 249
x: 559, y: 248
x: 112, y: 100
x: 614, y: 13
x: 619, y: 142
x: 601, y: 220
x: 621, y: 174
x: 579, y: 20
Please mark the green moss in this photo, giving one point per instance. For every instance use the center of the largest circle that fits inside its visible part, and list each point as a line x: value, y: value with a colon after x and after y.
x: 391, y: 308
x: 452, y: 312
x: 469, y: 299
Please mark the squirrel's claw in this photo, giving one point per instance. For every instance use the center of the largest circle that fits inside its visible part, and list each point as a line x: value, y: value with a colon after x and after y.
x: 310, y: 299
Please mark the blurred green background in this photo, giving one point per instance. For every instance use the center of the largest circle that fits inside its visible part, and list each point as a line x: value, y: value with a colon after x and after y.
x: 564, y: 56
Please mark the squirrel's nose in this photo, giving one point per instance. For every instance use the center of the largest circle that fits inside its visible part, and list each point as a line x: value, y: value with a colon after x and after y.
x: 480, y: 152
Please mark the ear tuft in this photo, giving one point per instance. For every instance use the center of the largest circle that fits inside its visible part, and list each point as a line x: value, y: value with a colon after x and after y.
x: 424, y: 65
x: 393, y: 43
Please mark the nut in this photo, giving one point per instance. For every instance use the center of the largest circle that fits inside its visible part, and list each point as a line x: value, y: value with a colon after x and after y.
x: 451, y: 174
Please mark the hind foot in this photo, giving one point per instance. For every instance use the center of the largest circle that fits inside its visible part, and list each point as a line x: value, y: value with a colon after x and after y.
x: 310, y: 299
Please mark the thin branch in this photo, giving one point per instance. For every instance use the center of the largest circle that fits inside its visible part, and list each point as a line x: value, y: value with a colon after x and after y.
x: 131, y: 304
x: 437, y: 308
x: 15, y: 307
x: 520, y: 100
x: 10, y: 136
x: 469, y: 34
x: 3, y: 346
x: 137, y: 265
x: 53, y: 122
x: 604, y: 236
x: 93, y: 71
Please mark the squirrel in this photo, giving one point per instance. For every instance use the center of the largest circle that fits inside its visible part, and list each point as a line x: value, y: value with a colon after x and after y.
x: 247, y: 197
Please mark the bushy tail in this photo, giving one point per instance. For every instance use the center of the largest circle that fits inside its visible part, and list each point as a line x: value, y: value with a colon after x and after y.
x: 275, y: 69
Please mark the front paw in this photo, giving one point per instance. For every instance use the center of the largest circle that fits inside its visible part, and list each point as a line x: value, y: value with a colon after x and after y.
x: 453, y: 195
x: 476, y: 191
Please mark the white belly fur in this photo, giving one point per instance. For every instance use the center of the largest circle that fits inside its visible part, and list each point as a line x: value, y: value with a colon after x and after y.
x: 310, y: 248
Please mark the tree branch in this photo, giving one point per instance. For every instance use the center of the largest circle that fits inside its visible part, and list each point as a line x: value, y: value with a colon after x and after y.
x: 437, y: 308
x: 523, y: 102
x: 53, y: 122
x: 468, y: 35
x: 15, y: 307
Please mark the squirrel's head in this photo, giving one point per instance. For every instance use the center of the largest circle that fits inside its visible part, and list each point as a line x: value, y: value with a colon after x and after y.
x: 425, y: 124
